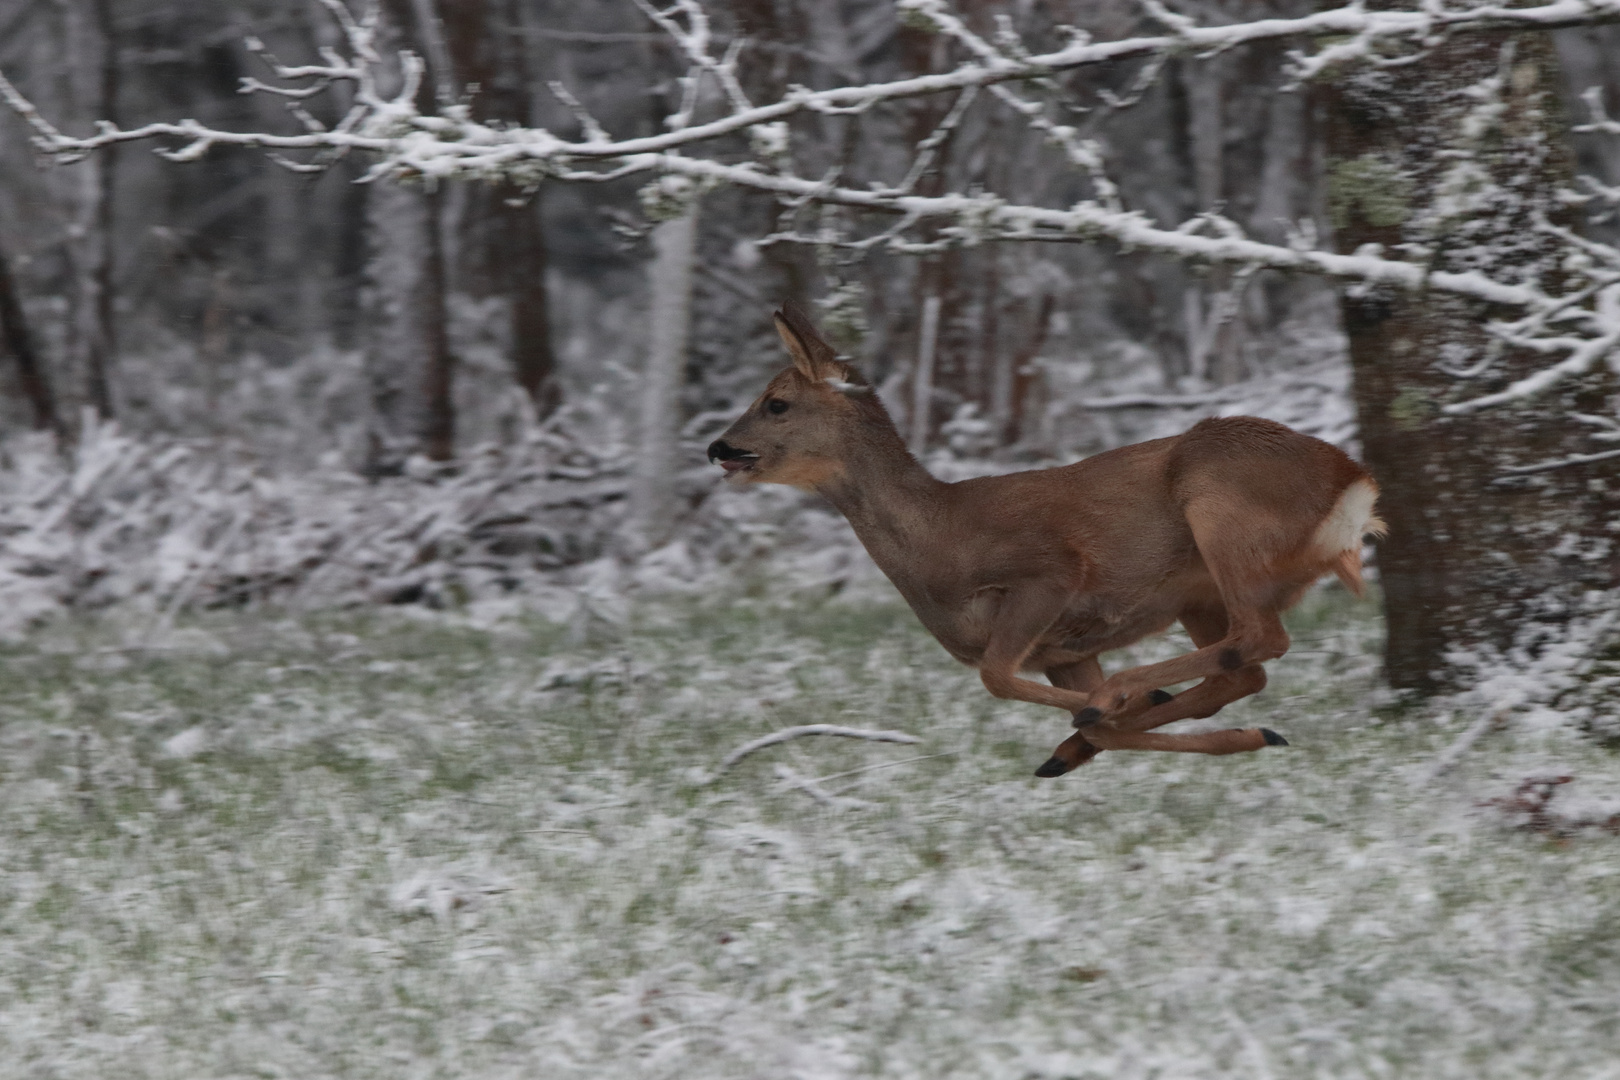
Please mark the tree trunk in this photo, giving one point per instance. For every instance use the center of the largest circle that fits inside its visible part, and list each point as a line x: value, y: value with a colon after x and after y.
x: 1021, y: 372
x: 290, y: 306
x: 1478, y: 559
x: 533, y: 361
x: 652, y: 500
x: 483, y: 48
x: 408, y: 360
x: 16, y: 340
x: 1209, y: 305
x: 94, y: 62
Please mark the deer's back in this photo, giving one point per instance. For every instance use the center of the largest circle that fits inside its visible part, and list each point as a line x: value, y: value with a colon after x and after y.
x: 1134, y: 499
x: 1071, y: 522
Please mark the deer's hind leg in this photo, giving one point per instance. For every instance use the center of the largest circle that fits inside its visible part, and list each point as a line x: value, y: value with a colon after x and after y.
x: 1206, y: 626
x: 1250, y: 555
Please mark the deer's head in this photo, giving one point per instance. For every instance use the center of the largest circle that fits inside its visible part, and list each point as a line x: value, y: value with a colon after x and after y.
x: 811, y: 418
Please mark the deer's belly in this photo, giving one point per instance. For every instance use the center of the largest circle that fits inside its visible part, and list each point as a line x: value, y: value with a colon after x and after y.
x: 1068, y: 645
x: 965, y: 632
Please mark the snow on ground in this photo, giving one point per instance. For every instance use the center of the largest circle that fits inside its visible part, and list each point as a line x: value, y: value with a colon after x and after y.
x: 402, y: 845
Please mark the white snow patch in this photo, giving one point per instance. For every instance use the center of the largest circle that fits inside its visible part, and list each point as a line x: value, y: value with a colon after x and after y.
x: 187, y: 744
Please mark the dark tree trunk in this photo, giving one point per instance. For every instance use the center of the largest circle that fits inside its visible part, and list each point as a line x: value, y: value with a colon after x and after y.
x: 524, y: 262
x: 1477, y: 559
x: 96, y: 329
x: 344, y: 307
x: 439, y: 426
x: 17, y: 341
x: 1023, y: 374
x: 487, y: 53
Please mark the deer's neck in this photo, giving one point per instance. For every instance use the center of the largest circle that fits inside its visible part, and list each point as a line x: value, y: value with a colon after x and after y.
x: 894, y: 504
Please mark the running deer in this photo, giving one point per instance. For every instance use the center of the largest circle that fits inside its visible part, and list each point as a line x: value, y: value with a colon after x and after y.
x: 1222, y: 528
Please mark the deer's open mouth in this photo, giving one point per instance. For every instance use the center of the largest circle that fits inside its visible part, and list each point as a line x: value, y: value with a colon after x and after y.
x: 731, y: 458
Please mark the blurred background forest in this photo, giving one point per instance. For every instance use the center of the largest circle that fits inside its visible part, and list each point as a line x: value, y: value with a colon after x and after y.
x: 243, y: 324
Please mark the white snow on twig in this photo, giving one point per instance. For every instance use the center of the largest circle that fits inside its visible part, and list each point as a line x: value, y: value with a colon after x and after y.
x: 1560, y: 463
x: 803, y: 730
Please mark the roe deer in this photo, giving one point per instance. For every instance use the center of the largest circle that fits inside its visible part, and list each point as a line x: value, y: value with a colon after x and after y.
x: 1223, y: 528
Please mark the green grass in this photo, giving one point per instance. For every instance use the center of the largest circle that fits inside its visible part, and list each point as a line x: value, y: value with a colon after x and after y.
x: 382, y: 846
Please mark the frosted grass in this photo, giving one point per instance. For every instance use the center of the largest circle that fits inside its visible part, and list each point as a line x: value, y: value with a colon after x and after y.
x: 410, y: 847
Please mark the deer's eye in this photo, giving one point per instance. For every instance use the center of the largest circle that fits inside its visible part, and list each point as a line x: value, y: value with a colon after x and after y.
x: 776, y: 406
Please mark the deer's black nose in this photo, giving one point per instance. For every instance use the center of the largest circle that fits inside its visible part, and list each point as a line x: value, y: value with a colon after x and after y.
x: 720, y: 450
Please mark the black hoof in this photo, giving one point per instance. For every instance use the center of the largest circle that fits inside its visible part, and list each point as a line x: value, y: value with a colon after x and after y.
x: 1159, y: 697
x: 1272, y: 738
x: 1053, y: 767
x: 1087, y: 716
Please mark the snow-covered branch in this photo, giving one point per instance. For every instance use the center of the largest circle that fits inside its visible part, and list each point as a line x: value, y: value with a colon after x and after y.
x: 1579, y: 322
x: 392, y: 128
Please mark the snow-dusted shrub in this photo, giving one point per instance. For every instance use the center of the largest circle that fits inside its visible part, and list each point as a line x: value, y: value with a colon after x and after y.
x: 169, y: 524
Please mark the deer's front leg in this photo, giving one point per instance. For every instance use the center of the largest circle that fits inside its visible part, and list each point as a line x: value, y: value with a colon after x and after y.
x: 1020, y: 620
x: 1083, y: 675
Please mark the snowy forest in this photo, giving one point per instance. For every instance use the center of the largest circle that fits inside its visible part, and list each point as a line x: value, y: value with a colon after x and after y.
x: 367, y: 350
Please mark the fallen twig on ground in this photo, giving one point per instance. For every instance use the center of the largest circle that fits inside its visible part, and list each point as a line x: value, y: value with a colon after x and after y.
x: 1452, y: 754
x: 787, y: 734
x: 826, y: 798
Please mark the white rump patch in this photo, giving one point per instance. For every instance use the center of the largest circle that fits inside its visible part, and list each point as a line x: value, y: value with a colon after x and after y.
x: 1350, y: 519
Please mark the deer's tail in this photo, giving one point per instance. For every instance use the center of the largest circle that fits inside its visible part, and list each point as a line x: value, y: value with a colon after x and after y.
x: 1338, y: 538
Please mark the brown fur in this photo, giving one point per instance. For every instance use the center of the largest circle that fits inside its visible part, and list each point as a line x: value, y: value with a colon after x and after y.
x: 1042, y: 571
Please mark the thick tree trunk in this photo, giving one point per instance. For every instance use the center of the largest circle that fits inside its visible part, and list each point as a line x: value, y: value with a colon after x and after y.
x: 1478, y: 559
x: 16, y: 339
x: 652, y: 498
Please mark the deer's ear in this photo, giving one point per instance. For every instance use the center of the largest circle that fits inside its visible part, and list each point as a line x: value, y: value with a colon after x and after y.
x: 815, y: 359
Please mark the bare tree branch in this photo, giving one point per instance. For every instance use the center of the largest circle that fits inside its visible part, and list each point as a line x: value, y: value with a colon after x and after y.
x: 1581, y: 323
x: 1369, y: 29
